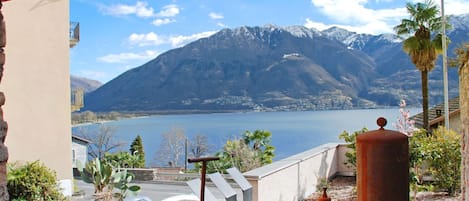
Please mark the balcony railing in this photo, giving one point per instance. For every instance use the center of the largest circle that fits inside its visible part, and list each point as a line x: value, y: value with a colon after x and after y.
x: 74, y: 33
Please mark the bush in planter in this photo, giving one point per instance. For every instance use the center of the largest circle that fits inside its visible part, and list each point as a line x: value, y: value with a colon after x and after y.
x: 33, y: 181
x: 436, y: 156
x: 446, y: 159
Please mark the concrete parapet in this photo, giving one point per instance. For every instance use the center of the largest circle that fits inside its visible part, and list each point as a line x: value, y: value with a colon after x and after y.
x: 297, y: 177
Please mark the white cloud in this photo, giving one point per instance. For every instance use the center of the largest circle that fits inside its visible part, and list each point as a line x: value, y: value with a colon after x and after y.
x: 317, y: 25
x: 169, y: 11
x: 175, y: 41
x: 125, y: 57
x: 343, y: 10
x: 146, y: 39
x: 357, y: 17
x: 162, y: 21
x: 456, y: 7
x: 140, y: 9
x: 353, y: 13
x: 215, y: 16
x: 222, y: 25
x: 166, y: 15
x: 178, y: 41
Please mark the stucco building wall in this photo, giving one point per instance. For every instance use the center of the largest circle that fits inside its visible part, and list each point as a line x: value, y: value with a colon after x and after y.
x: 36, y: 83
x: 79, y: 153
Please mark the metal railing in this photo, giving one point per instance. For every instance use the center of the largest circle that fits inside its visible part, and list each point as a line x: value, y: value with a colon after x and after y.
x: 74, y: 33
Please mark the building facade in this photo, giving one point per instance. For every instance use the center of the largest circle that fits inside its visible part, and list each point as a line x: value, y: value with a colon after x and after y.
x: 36, y: 84
x: 79, y: 151
x: 436, y: 116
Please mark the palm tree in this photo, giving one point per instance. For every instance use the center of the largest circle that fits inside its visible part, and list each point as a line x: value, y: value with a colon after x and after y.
x: 463, y: 63
x: 422, y: 49
x: 260, y: 140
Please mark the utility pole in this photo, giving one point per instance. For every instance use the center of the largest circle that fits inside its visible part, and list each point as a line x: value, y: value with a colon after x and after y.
x: 445, y: 68
x: 185, y: 154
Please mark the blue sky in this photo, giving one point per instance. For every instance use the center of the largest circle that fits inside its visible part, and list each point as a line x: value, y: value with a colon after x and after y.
x: 117, y: 35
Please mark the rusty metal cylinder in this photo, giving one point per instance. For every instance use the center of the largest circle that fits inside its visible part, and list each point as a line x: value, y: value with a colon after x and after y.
x: 382, y: 165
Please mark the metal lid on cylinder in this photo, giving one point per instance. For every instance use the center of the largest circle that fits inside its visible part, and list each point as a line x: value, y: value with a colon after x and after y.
x: 381, y: 135
x: 382, y: 165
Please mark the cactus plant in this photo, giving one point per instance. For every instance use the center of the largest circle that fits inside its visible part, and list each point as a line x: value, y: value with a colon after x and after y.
x: 105, y: 178
x: 100, y: 174
x: 121, y: 180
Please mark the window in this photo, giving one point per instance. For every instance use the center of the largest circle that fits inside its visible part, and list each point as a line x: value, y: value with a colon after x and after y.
x: 73, y: 156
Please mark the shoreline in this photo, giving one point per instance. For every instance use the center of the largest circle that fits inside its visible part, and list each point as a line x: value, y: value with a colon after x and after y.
x: 139, y: 114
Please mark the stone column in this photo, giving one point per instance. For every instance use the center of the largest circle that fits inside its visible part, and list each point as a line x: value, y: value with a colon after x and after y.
x: 3, y: 123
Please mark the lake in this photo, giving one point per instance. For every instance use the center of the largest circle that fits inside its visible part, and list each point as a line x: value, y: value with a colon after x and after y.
x: 292, y: 132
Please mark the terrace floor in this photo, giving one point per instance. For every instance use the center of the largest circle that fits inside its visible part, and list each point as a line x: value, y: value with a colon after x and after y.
x: 342, y: 189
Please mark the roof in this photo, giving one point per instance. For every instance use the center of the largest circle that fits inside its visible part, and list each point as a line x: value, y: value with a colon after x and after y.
x: 74, y: 137
x: 433, y: 117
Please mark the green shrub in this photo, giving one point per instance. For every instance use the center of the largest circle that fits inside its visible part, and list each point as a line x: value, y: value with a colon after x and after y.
x: 33, y: 181
x: 437, y: 156
x: 350, y: 139
x: 251, y: 151
x: 122, y: 159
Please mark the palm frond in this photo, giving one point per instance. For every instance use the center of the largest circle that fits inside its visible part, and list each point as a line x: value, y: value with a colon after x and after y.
x: 462, y: 54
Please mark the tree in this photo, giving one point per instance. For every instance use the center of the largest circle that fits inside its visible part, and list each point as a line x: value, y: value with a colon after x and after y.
x: 172, y: 147
x: 199, y: 146
x: 421, y: 47
x: 121, y: 159
x: 103, y: 140
x: 88, y: 116
x: 251, y: 151
x: 237, y: 154
x: 260, y: 141
x: 136, y: 149
x: 463, y: 63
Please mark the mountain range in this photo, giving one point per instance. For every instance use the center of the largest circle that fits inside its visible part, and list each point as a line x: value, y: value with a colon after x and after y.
x: 272, y: 68
x: 88, y: 85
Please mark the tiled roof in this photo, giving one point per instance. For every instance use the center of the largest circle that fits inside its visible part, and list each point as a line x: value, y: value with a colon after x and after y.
x: 433, y: 118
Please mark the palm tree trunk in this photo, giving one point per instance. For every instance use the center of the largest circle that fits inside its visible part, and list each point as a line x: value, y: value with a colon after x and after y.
x: 464, y: 114
x: 424, y: 74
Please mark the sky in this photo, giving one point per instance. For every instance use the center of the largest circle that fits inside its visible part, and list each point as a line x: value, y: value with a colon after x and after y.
x: 118, y: 35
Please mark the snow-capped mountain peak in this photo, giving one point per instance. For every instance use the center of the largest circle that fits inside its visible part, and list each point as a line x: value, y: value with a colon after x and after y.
x: 301, y: 31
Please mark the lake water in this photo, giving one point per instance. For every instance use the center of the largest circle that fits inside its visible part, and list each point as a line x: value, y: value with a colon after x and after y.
x: 292, y: 132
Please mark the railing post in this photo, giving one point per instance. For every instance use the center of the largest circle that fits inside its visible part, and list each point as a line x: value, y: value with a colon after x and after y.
x: 204, y: 172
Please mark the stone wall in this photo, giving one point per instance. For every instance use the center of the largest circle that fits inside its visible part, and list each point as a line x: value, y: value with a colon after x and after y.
x: 143, y: 174
x: 3, y: 124
x: 159, y: 174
